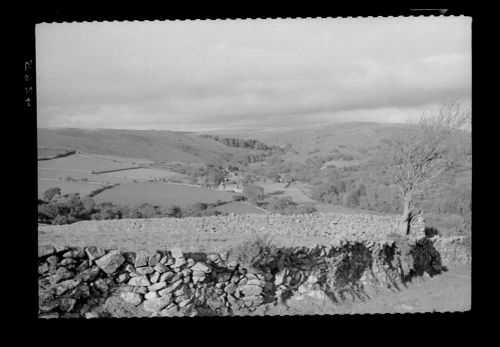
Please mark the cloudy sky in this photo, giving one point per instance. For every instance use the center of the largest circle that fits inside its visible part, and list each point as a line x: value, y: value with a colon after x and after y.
x: 201, y: 75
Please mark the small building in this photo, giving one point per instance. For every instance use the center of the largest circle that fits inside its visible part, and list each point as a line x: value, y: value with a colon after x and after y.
x: 230, y: 188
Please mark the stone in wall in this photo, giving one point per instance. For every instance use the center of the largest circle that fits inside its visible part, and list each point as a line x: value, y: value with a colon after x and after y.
x: 110, y: 262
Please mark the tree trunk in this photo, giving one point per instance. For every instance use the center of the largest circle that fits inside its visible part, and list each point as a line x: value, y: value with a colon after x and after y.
x: 407, y: 215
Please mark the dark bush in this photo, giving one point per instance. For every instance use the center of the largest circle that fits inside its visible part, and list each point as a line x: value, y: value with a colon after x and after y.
x: 101, y: 189
x: 254, y: 254
x: 107, y: 210
x: 238, y: 198
x: 200, y: 209
x: 281, y: 205
x: 286, y: 206
x: 173, y: 211
x: 61, y: 219
x: 253, y: 193
x: 50, y: 193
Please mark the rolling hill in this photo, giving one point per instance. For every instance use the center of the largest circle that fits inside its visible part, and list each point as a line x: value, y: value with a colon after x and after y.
x: 158, y: 146
x: 323, y: 160
x: 358, y: 139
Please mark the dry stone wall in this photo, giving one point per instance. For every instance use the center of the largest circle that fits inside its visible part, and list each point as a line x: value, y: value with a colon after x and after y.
x: 329, y: 225
x: 453, y: 250
x: 75, y: 282
x: 291, y: 231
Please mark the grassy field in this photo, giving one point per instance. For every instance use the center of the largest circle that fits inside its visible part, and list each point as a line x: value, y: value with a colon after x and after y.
x: 238, y: 207
x: 121, y: 160
x: 49, y: 152
x: 158, y: 193
x: 80, y: 163
x: 53, y: 173
x: 144, y: 174
x: 296, y: 194
x: 78, y: 175
x: 342, y: 163
x: 157, y: 146
x: 329, y: 208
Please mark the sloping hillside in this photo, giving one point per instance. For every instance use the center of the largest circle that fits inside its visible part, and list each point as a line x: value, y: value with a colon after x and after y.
x: 351, y: 138
x: 159, y: 146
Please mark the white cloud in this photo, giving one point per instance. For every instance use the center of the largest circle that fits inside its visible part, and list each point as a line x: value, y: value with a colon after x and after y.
x: 247, y: 72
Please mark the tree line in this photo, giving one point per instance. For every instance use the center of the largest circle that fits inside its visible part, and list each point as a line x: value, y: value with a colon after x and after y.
x: 58, y: 209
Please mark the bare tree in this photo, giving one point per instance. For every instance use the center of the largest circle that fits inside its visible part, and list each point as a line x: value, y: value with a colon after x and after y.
x: 422, y: 155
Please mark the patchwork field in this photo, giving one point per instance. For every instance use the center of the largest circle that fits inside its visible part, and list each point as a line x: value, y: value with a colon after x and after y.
x: 159, y: 193
x: 55, y: 172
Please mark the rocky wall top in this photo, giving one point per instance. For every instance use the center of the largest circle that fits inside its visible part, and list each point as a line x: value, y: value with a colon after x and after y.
x: 329, y: 225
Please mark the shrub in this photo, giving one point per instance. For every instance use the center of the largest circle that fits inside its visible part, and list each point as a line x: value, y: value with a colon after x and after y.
x: 238, y: 198
x: 107, y: 211
x: 101, y: 189
x: 60, y: 219
x: 46, y: 212
x: 305, y: 209
x: 285, y: 205
x: 50, y: 193
x: 200, y: 209
x: 276, y: 192
x: 282, y: 205
x: 253, y: 192
x: 448, y: 224
x: 88, y: 204
x: 351, y: 199
x: 254, y: 254
x: 144, y: 210
x: 173, y: 211
x: 196, y: 209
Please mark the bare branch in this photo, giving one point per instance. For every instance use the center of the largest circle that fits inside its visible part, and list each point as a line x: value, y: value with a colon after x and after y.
x: 421, y: 155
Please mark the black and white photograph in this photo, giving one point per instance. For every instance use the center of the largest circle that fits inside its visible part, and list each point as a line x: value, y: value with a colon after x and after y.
x: 254, y: 167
